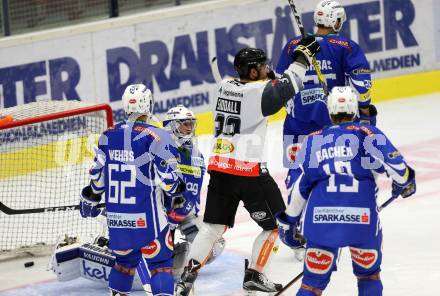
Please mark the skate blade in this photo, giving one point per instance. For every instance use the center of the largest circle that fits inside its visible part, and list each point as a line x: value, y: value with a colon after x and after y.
x: 256, y: 293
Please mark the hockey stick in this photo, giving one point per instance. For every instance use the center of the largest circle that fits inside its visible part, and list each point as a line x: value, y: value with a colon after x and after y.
x: 321, y: 77
x: 295, y: 279
x: 8, y: 211
x: 215, y: 70
x: 387, y: 202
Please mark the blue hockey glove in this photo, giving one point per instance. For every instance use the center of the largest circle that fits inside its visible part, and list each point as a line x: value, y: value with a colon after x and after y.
x: 371, y: 120
x: 88, y: 205
x: 288, y: 232
x: 407, y: 189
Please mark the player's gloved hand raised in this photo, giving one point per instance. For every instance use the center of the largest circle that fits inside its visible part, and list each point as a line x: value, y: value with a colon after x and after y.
x: 407, y: 189
x: 88, y: 205
x: 307, y: 49
x: 371, y: 119
x: 288, y: 232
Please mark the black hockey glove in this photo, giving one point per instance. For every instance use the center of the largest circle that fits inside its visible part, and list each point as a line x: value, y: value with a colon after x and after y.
x: 371, y: 119
x: 306, y: 50
x: 178, y: 202
x: 407, y: 189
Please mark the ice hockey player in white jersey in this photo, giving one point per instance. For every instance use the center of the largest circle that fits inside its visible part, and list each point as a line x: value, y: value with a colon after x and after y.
x: 135, y: 162
x: 237, y: 169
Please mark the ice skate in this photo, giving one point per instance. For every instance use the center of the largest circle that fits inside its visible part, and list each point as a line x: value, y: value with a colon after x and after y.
x: 189, y: 276
x: 255, y: 281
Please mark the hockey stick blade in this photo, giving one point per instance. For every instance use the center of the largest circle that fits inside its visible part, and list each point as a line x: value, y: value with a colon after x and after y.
x: 8, y: 211
x: 215, y: 70
x: 294, y: 280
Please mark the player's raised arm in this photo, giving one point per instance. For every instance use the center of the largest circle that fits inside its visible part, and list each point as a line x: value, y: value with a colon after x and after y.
x: 278, y: 91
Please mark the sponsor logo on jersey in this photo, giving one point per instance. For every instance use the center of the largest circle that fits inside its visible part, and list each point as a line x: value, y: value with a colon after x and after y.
x: 291, y: 151
x: 231, y: 93
x: 223, y: 146
x: 361, y: 71
x: 189, y: 170
x: 228, y: 106
x: 364, y: 257
x: 124, y: 220
x: 310, y: 96
x: 319, y: 261
x: 169, y: 241
x: 258, y: 216
x: 192, y: 187
x: 393, y: 154
x: 340, y: 42
x: 151, y: 250
x: 344, y: 215
x: 197, y: 161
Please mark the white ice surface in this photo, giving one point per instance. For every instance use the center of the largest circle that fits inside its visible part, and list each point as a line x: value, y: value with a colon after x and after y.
x: 411, y: 249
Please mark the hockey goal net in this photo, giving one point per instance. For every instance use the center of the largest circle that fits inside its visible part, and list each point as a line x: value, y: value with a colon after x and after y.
x: 46, y: 149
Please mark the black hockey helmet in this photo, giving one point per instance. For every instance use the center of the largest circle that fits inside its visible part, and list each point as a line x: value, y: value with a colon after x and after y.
x: 248, y: 58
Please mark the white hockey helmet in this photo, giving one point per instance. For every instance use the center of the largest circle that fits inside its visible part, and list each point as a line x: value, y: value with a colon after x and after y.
x: 182, y: 123
x: 342, y: 99
x: 138, y: 99
x: 328, y: 12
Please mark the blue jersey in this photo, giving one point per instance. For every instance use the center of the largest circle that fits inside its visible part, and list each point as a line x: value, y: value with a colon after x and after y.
x: 341, y: 61
x: 191, y: 166
x: 133, y: 164
x: 336, y: 190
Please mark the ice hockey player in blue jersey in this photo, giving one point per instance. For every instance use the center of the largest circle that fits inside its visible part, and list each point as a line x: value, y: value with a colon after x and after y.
x: 134, y: 163
x: 183, y: 208
x: 334, y: 198
x: 342, y: 62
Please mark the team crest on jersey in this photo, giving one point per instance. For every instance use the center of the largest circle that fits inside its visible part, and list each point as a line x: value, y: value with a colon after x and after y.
x: 151, y: 250
x: 223, y: 146
x: 319, y: 261
x: 365, y: 258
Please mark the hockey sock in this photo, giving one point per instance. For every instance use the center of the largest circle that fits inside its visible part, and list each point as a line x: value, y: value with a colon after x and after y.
x: 370, y: 285
x: 204, y: 241
x: 121, y: 279
x: 265, y: 244
x: 162, y: 281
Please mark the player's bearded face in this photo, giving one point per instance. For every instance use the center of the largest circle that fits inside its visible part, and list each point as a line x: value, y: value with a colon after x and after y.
x: 263, y: 71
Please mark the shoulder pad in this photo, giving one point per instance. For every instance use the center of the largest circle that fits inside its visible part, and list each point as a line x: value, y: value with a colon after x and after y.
x: 293, y: 43
x: 363, y: 128
x: 318, y: 132
x: 340, y: 42
x: 149, y: 130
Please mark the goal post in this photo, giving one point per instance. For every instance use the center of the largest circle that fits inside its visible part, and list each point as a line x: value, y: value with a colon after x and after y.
x: 46, y: 149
